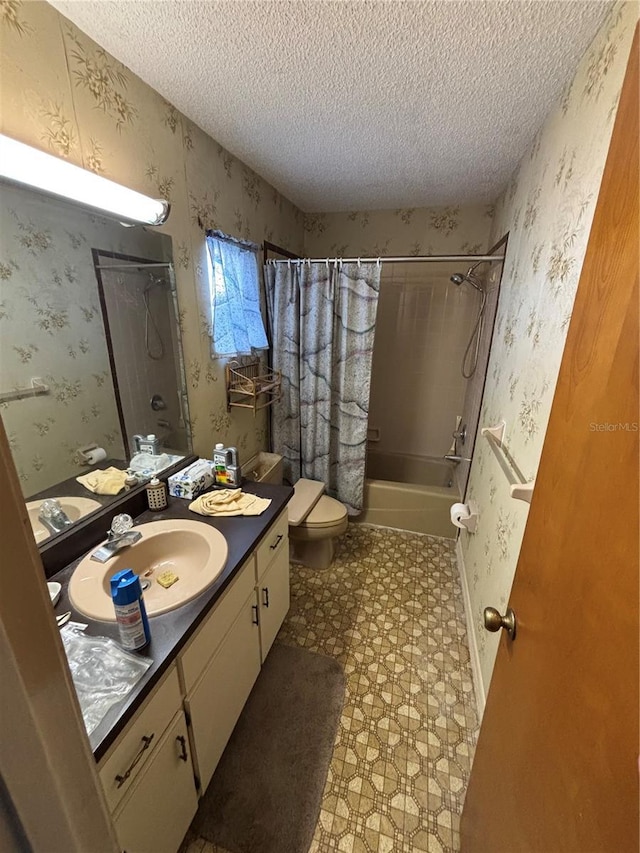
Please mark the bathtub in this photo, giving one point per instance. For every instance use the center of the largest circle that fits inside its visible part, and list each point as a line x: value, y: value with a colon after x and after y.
x: 409, y: 493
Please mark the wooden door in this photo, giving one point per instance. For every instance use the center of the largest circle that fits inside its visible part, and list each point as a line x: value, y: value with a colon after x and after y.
x: 556, y: 768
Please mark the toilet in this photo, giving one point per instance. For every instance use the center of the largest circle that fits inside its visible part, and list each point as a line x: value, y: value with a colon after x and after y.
x: 315, y: 520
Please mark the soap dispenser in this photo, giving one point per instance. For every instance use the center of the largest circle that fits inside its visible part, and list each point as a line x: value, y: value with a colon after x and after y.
x: 157, y: 495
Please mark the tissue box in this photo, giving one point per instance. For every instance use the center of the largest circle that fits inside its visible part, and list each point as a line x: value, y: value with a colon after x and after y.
x: 192, y: 480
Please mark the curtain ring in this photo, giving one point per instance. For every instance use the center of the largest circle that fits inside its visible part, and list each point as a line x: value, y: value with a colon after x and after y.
x: 359, y: 263
x: 378, y: 262
x: 326, y: 261
x: 289, y: 263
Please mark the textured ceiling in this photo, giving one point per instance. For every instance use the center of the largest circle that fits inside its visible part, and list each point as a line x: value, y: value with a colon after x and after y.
x: 352, y: 104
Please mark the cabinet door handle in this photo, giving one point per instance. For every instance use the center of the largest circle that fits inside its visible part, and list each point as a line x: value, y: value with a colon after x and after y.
x: 146, y: 743
x: 265, y: 596
x: 254, y: 618
x: 183, y: 747
x: 277, y: 542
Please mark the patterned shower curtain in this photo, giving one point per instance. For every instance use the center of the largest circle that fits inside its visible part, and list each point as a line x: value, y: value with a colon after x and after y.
x: 322, y: 318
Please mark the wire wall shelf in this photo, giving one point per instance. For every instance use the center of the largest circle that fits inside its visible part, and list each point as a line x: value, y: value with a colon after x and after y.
x: 252, y: 386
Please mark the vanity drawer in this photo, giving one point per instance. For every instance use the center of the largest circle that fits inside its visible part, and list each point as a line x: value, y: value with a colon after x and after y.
x: 138, y: 741
x: 276, y: 538
x: 201, y: 648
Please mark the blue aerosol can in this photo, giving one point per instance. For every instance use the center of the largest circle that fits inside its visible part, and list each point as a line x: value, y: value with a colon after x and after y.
x: 131, y: 614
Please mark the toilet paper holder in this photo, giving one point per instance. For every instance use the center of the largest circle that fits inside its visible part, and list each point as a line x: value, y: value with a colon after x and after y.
x: 465, y: 516
x: 90, y: 454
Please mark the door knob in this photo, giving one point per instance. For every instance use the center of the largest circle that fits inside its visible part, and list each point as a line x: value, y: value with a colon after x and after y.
x: 493, y: 621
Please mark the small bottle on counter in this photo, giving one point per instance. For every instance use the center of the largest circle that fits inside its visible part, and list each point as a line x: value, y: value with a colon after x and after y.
x: 131, y: 614
x: 233, y: 469
x: 131, y: 480
x: 156, y: 495
x: 221, y: 460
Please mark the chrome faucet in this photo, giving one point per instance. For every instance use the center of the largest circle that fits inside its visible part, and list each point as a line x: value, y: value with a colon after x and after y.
x: 53, y: 517
x: 120, y: 536
x: 452, y: 457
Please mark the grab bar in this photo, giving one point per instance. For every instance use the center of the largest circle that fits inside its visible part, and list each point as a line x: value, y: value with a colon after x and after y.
x: 37, y: 389
x: 519, y: 488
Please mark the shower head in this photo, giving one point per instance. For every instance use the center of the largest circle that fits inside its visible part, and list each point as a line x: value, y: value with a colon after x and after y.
x: 155, y: 281
x: 470, y: 277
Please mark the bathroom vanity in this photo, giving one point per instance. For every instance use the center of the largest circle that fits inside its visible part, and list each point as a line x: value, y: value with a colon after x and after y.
x: 158, y: 749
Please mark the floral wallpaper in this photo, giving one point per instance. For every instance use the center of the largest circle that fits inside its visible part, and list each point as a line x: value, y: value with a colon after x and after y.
x: 547, y: 208
x: 51, y: 328
x: 409, y: 231
x: 62, y: 92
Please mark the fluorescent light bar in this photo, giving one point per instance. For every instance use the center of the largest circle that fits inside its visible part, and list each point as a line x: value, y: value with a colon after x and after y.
x: 26, y: 165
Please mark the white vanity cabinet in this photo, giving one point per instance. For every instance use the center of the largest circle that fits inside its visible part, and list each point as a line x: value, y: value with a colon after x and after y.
x: 156, y: 814
x: 147, y: 775
x: 168, y: 752
x: 219, y: 669
x: 272, y: 582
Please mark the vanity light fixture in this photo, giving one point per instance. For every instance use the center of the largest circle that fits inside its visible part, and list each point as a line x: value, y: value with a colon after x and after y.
x: 23, y: 164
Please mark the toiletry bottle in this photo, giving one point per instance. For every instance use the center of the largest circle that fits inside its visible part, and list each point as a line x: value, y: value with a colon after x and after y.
x: 146, y: 444
x: 221, y: 459
x: 233, y: 469
x: 131, y: 480
x: 156, y: 494
x: 131, y: 615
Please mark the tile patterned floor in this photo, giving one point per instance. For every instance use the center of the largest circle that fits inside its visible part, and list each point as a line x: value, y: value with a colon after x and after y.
x: 390, y: 610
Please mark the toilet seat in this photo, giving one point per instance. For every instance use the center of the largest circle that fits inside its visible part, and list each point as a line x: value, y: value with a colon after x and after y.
x: 315, y: 522
x: 328, y: 512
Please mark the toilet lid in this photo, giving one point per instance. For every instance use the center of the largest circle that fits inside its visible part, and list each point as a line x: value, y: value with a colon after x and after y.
x: 326, y: 513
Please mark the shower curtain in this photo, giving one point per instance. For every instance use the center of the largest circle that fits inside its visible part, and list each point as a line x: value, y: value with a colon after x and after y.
x: 322, y: 318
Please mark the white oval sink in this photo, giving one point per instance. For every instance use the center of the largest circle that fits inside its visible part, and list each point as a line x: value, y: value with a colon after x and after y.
x: 75, y: 508
x: 192, y: 550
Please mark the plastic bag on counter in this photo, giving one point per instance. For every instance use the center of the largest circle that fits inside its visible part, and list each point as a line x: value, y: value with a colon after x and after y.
x: 103, y: 673
x: 145, y: 465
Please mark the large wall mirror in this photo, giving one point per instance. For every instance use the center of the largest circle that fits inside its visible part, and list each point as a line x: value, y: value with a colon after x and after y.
x: 90, y: 351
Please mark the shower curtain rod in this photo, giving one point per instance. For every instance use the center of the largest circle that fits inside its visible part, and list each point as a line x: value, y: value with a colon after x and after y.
x: 133, y: 266
x: 390, y: 259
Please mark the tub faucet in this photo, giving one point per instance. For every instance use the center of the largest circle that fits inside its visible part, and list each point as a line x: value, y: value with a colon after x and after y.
x: 452, y: 457
x: 120, y: 536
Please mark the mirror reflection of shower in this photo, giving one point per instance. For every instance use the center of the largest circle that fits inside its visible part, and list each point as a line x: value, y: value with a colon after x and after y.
x: 156, y: 354
x: 137, y: 297
x: 468, y: 369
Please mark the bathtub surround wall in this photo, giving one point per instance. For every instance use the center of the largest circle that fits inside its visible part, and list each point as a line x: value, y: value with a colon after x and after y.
x: 456, y: 230
x: 62, y: 92
x: 322, y: 319
x: 490, y: 277
x: 417, y: 388
x: 547, y: 209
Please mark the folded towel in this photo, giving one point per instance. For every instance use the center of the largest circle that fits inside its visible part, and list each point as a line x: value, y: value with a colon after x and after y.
x: 229, y: 502
x: 109, y: 481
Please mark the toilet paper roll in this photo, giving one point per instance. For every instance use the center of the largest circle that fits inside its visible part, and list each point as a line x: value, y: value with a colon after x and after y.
x: 460, y: 512
x: 98, y: 454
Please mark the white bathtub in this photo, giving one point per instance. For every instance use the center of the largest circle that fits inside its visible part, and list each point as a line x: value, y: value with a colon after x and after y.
x: 409, y: 493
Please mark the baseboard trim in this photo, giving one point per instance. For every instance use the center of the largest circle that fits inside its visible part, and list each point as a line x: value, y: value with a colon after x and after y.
x: 476, y: 670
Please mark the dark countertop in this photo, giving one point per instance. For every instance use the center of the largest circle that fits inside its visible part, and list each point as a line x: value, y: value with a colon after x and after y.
x: 171, y: 631
x: 72, y: 488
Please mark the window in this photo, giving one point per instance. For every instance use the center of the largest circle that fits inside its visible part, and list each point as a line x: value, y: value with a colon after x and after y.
x: 235, y: 300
